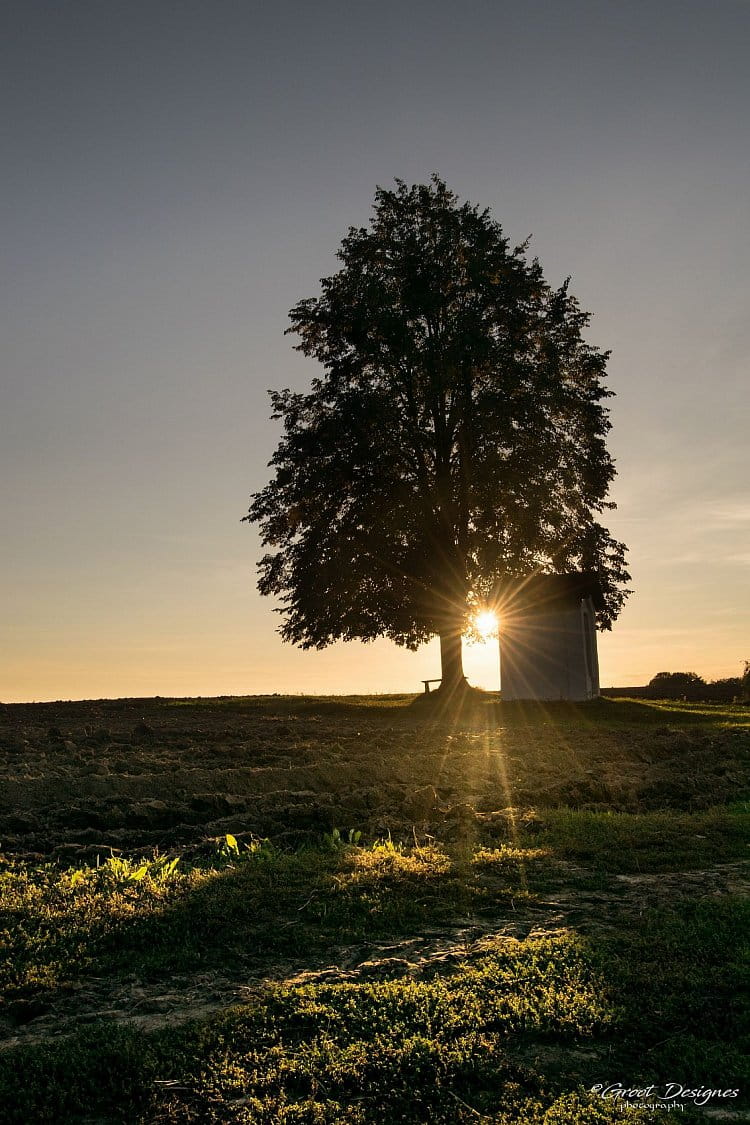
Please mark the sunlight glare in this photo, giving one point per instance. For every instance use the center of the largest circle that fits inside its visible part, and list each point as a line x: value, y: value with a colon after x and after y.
x: 486, y: 624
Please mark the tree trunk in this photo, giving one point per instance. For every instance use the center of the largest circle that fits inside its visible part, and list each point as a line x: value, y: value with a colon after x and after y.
x: 451, y: 660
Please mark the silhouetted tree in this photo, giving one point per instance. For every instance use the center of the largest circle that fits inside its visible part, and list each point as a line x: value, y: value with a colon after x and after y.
x: 677, y: 685
x: 727, y: 690
x: 455, y: 438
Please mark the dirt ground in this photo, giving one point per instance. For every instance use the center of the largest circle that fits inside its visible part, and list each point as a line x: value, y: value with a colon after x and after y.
x: 143, y: 774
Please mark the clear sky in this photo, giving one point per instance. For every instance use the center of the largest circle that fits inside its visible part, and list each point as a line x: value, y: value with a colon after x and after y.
x: 177, y: 174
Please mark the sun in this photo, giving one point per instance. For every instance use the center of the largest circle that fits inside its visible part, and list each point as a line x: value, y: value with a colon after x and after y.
x: 486, y: 624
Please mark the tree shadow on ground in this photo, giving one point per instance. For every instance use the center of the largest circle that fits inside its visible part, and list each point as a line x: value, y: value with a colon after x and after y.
x: 513, y: 1023
x: 269, y: 910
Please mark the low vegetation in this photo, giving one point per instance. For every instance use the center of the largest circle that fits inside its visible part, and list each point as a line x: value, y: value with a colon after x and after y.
x: 455, y: 954
x: 691, y: 686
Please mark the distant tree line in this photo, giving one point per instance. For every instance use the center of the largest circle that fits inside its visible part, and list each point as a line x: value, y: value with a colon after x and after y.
x: 692, y: 687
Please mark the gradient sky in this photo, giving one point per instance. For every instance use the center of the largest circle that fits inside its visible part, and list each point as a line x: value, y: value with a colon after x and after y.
x: 176, y: 175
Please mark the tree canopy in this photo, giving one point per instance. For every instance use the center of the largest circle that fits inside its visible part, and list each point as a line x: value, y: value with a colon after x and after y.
x: 456, y: 437
x: 677, y: 685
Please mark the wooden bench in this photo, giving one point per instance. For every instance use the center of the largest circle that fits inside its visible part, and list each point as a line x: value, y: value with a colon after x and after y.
x: 427, y: 685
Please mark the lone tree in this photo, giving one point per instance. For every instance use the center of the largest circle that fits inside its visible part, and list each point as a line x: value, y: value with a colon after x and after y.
x: 455, y: 439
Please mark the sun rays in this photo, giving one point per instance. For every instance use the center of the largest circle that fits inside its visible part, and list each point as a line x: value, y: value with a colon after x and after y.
x: 485, y: 624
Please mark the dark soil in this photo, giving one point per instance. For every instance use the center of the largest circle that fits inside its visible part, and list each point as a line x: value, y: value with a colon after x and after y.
x: 139, y: 774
